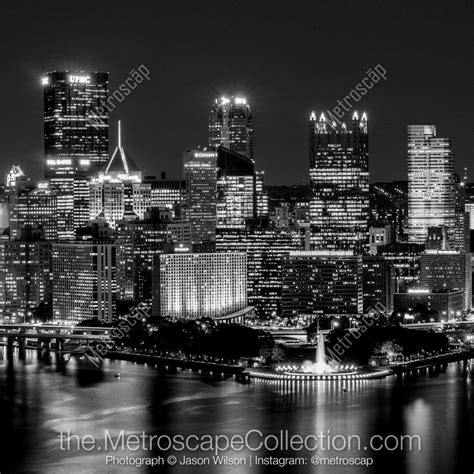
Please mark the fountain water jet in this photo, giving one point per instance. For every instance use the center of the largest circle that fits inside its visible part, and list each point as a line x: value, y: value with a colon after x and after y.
x: 320, y: 366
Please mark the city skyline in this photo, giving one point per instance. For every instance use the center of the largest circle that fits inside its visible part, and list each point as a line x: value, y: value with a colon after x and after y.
x: 412, y: 93
x: 236, y: 236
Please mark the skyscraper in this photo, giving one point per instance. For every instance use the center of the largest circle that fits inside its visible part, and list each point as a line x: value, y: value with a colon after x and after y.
x: 84, y: 280
x: 200, y: 173
x: 266, y: 248
x: 378, y: 282
x: 431, y: 182
x: 71, y: 99
x: 167, y: 193
x: 137, y: 243
x: 34, y: 206
x: 235, y: 189
x: 339, y: 184
x: 117, y: 193
x: 231, y: 125
x: 75, y: 141
x: 25, y: 277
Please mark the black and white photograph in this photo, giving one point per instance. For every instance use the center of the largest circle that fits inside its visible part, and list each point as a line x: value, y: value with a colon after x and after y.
x: 237, y: 237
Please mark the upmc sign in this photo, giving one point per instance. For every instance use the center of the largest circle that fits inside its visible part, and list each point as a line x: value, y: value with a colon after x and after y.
x: 80, y: 79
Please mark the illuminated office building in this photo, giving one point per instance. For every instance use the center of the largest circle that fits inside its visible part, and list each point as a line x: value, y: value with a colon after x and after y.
x: 200, y: 207
x: 261, y: 196
x: 137, y: 243
x: 446, y: 304
x: 240, y: 192
x: 75, y: 141
x: 405, y: 258
x: 265, y: 247
x: 290, y: 215
x: 437, y: 238
x: 25, y: 275
x: 469, y: 207
x: 461, y: 235
x: 16, y: 184
x: 235, y: 189
x: 34, y: 205
x: 324, y: 283
x: 431, y: 182
x: 167, y: 193
x: 389, y: 204
x: 118, y: 192
x: 378, y: 283
x: 231, y: 125
x: 379, y: 235
x: 74, y: 124
x: 198, y: 285
x: 69, y: 179
x: 339, y: 184
x: 14, y: 177
x: 447, y: 270
x: 84, y: 280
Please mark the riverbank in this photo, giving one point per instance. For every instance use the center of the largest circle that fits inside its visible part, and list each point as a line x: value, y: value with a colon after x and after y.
x: 172, y: 364
x: 433, y: 361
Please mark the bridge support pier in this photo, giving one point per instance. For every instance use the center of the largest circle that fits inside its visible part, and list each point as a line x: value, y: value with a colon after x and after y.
x: 59, y: 345
x: 21, y: 348
x: 10, y: 349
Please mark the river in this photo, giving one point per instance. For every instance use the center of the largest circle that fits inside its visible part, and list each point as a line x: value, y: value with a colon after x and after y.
x: 39, y: 402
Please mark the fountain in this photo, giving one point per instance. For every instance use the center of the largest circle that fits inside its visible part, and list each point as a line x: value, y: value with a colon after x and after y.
x: 320, y: 365
x: 320, y: 369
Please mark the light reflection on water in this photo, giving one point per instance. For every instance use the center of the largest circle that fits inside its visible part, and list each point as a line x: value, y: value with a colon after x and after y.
x: 39, y: 400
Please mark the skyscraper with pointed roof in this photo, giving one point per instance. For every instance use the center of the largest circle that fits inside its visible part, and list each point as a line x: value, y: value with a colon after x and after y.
x: 118, y: 192
x: 339, y: 183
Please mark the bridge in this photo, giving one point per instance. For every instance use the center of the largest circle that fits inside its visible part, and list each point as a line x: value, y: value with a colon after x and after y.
x: 48, y: 334
x: 300, y: 334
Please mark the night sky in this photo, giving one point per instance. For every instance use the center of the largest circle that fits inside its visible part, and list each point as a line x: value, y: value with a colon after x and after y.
x: 287, y: 57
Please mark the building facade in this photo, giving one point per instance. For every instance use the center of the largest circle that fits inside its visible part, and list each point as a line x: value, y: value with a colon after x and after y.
x: 447, y: 270
x: 117, y: 193
x: 231, y: 125
x: 167, y: 193
x: 265, y: 247
x: 84, y: 281
x: 34, y: 206
x: 378, y: 283
x: 197, y: 285
x: 322, y: 283
x: 25, y: 278
x: 200, y: 209
x: 448, y: 304
x: 431, y: 182
x: 240, y: 191
x: 72, y: 101
x: 137, y: 244
x: 339, y: 184
x: 76, y: 141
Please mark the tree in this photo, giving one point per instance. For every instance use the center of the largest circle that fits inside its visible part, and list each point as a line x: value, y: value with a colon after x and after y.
x: 278, y: 354
x: 42, y: 312
x: 389, y: 348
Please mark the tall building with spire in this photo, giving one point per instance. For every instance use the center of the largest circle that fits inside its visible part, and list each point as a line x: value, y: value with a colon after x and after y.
x: 339, y: 184
x: 431, y: 182
x: 118, y: 192
x: 231, y: 125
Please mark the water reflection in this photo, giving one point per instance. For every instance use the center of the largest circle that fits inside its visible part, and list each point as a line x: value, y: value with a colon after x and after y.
x: 40, y: 398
